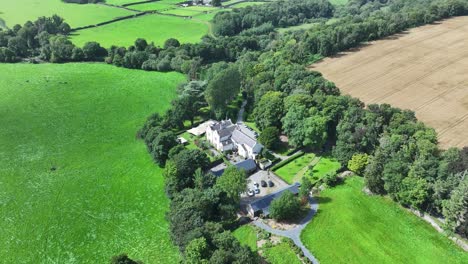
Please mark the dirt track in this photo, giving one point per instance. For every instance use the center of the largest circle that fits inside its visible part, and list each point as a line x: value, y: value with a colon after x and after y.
x: 424, y: 69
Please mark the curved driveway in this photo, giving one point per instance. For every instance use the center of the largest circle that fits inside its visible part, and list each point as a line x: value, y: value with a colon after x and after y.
x: 295, y: 233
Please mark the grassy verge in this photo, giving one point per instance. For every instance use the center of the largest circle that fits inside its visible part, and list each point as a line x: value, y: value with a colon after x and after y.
x: 247, y: 235
x: 290, y: 170
x: 281, y: 253
x: 76, y: 186
x: 352, y: 227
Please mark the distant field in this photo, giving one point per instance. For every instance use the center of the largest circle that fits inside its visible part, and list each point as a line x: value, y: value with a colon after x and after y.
x: 154, y: 6
x: 245, y: 4
x: 155, y: 28
x: 352, y: 227
x: 19, y: 11
x: 424, y: 70
x: 75, y: 184
x: 122, y: 2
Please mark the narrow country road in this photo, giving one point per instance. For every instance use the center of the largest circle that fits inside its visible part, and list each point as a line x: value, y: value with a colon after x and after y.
x: 295, y: 233
x: 240, y: 115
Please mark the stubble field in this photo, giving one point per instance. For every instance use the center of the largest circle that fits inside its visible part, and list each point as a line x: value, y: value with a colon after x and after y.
x: 424, y: 69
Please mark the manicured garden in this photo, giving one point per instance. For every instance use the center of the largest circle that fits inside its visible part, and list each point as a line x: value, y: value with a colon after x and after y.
x: 76, y: 186
x: 352, y: 227
x: 156, y: 28
x: 324, y: 166
x: 289, y: 171
x: 20, y: 11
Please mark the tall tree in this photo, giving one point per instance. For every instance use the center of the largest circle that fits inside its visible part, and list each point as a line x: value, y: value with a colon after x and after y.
x: 222, y: 89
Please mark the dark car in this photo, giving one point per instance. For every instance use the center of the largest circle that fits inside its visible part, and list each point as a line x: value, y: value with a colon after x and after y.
x: 263, y: 183
x: 270, y: 184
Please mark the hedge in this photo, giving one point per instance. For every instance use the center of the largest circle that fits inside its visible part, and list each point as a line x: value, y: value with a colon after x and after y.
x: 288, y: 160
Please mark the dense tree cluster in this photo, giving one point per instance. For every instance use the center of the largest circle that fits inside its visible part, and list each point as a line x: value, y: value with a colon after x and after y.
x: 286, y: 207
x: 276, y: 14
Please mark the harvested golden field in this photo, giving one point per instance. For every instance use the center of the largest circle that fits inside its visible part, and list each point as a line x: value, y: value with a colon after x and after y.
x: 424, y: 69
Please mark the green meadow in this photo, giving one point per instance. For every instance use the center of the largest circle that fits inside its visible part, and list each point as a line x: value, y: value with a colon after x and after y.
x: 247, y: 236
x: 352, y: 227
x: 20, y: 11
x: 156, y: 28
x: 289, y: 171
x: 76, y: 186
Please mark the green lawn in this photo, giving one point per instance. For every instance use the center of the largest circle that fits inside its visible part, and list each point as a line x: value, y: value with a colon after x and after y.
x: 210, y: 16
x: 247, y: 236
x: 20, y: 11
x: 324, y: 166
x: 76, y: 186
x: 352, y: 227
x: 155, y: 28
x: 281, y: 253
x: 289, y: 171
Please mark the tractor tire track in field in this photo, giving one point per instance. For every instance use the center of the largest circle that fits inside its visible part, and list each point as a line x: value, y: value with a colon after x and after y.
x: 422, y: 70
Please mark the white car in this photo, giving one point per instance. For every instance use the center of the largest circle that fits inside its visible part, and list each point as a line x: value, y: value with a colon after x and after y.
x: 255, y: 184
x: 250, y: 193
x: 257, y: 190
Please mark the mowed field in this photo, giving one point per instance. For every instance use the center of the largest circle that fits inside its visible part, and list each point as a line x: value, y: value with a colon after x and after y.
x: 424, y: 69
x: 19, y: 11
x: 75, y: 184
x: 354, y: 228
x: 154, y: 28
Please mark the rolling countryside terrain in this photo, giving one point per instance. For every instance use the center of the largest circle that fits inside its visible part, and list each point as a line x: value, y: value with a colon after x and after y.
x: 353, y: 227
x: 76, y: 185
x: 424, y: 69
x: 156, y: 28
x: 20, y: 11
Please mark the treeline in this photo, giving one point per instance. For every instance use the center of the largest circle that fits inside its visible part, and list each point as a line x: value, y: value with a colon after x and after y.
x: 275, y: 14
x: 185, y: 58
x: 45, y: 39
x: 350, y: 31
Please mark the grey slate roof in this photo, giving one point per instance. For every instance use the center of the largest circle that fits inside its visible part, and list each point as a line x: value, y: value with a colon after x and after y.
x: 264, y: 203
x: 242, y: 138
x: 224, y: 128
x: 246, y: 165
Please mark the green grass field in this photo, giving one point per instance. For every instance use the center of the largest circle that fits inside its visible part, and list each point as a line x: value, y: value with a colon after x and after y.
x: 247, y: 236
x: 20, y: 11
x: 351, y: 227
x: 122, y: 2
x: 289, y: 171
x: 182, y: 12
x: 155, y: 28
x: 154, y: 6
x: 281, y: 253
x: 324, y: 166
x: 75, y: 184
x: 245, y: 4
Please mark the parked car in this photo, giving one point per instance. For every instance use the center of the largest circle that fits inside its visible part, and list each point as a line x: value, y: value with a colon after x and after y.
x: 263, y: 183
x: 257, y: 190
x: 250, y: 193
x: 270, y: 184
x: 256, y: 185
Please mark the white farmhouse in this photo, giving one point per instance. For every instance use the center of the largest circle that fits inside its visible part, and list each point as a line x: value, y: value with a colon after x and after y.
x: 225, y: 136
